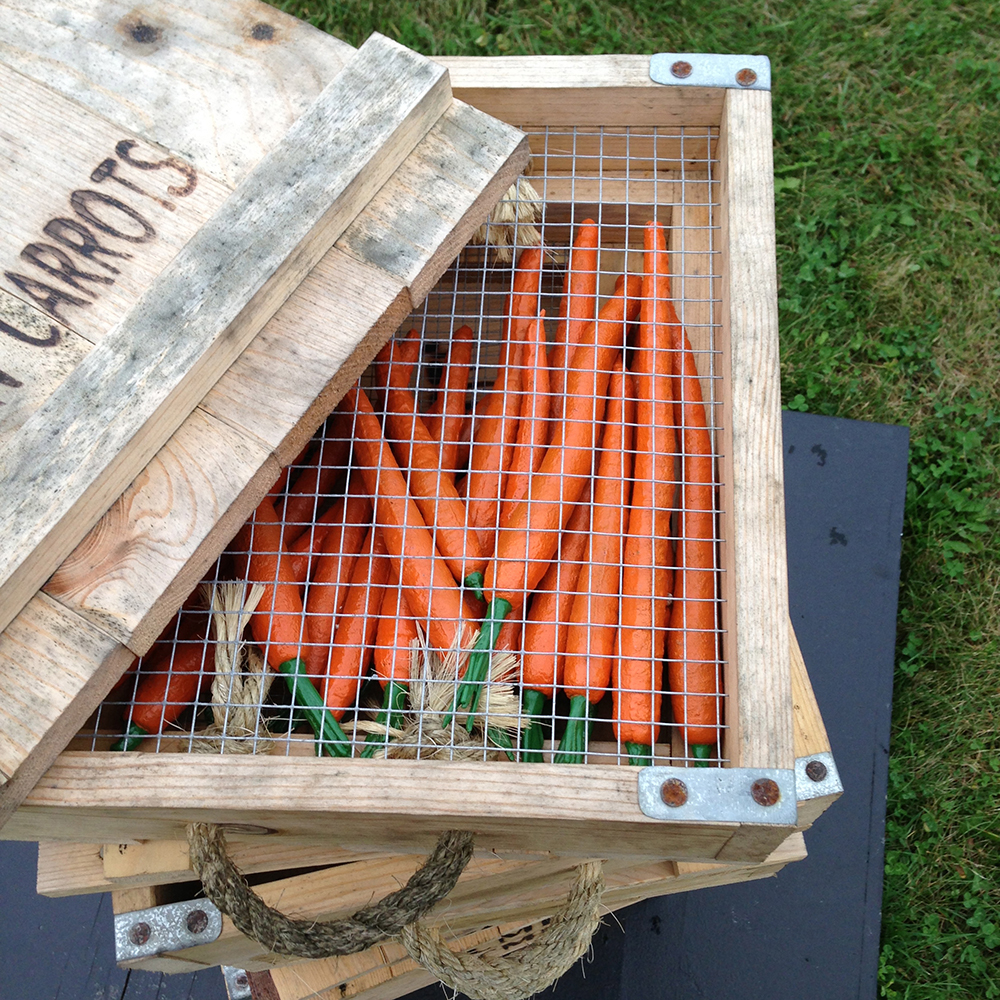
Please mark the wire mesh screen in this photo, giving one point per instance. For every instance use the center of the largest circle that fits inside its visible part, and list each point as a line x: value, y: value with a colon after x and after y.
x: 504, y: 543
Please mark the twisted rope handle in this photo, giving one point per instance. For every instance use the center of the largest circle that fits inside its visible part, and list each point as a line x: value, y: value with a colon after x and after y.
x: 564, y: 938
x: 225, y: 886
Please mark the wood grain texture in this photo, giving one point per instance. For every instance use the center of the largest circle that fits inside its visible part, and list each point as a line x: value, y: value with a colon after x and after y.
x: 44, y: 668
x: 578, y: 90
x: 573, y: 811
x: 385, y: 973
x: 218, y: 81
x: 36, y: 354
x: 112, y: 413
x: 412, y: 227
x: 66, y: 185
x: 755, y: 586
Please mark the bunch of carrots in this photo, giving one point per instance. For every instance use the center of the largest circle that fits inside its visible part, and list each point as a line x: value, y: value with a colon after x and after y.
x: 569, y: 520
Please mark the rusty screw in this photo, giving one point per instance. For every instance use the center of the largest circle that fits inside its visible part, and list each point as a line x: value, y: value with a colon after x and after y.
x: 765, y: 792
x: 746, y: 77
x: 674, y: 792
x: 197, y: 921
x: 681, y: 69
x: 816, y: 770
x: 139, y: 934
x: 242, y: 979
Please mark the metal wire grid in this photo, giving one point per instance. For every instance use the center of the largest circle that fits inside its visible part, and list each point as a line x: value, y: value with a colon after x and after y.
x: 620, y: 178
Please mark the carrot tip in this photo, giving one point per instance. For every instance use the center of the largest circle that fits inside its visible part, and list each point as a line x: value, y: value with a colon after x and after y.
x: 132, y: 739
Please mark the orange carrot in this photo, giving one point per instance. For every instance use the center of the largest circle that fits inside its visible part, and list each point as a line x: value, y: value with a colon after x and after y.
x: 309, y: 492
x: 172, y: 674
x: 339, y: 531
x: 446, y: 416
x: 430, y: 589
x: 646, y: 574
x: 532, y: 530
x: 532, y: 428
x: 277, y: 625
x: 351, y: 649
x: 692, y: 642
x: 579, y: 301
x: 432, y: 490
x: 546, y: 626
x: 593, y: 618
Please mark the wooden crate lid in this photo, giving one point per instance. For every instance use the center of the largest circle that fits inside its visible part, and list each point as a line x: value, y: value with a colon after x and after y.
x: 190, y: 341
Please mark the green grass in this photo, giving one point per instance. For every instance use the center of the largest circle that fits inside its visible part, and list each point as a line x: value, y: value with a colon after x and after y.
x: 887, y: 166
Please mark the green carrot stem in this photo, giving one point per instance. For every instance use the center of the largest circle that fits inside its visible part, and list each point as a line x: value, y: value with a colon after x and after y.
x: 574, y: 741
x: 474, y: 581
x: 702, y: 752
x: 478, y: 665
x: 132, y: 740
x: 639, y: 754
x: 328, y: 732
x: 502, y: 740
x: 393, y: 703
x: 533, y: 738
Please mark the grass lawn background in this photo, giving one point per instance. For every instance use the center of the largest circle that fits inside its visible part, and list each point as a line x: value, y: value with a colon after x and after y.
x: 887, y: 167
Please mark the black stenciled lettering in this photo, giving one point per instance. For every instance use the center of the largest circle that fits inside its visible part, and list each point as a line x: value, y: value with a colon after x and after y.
x: 46, y: 296
x: 9, y: 380
x: 62, y: 231
x: 190, y: 175
x: 40, y: 254
x: 82, y: 202
x: 50, y: 341
x: 106, y: 171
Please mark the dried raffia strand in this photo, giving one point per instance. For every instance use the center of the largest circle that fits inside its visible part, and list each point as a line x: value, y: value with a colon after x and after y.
x: 512, y: 223
x: 524, y: 973
x: 241, y: 681
x: 226, y: 887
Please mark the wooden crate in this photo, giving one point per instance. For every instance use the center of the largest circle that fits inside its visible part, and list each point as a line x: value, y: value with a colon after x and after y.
x: 574, y: 811
x: 196, y: 118
x: 491, y: 905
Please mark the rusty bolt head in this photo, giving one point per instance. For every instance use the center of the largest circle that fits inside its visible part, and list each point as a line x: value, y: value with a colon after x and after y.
x: 765, y: 792
x: 139, y: 933
x: 746, y: 77
x: 674, y: 792
x: 197, y: 921
x: 681, y: 69
x: 816, y: 770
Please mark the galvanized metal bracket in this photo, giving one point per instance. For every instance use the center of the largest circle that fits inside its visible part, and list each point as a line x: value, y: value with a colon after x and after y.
x: 701, y: 69
x: 719, y: 795
x: 816, y: 776
x: 237, y: 983
x: 145, y: 933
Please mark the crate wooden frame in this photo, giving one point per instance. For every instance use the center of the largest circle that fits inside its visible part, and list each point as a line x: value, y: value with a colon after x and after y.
x: 572, y: 810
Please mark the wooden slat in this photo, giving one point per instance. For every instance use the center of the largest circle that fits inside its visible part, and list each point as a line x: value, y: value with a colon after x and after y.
x: 45, y: 668
x: 574, y: 811
x: 385, y: 973
x: 578, y: 90
x: 755, y: 584
x: 218, y: 81
x: 128, y: 395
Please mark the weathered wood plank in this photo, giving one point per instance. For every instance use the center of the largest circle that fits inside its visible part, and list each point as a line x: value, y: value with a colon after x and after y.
x: 127, y: 396
x: 578, y: 90
x: 92, y: 212
x: 216, y: 81
x: 755, y: 585
x: 46, y: 667
x: 574, y: 811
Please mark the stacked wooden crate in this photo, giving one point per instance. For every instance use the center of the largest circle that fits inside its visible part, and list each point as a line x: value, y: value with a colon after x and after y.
x: 118, y: 821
